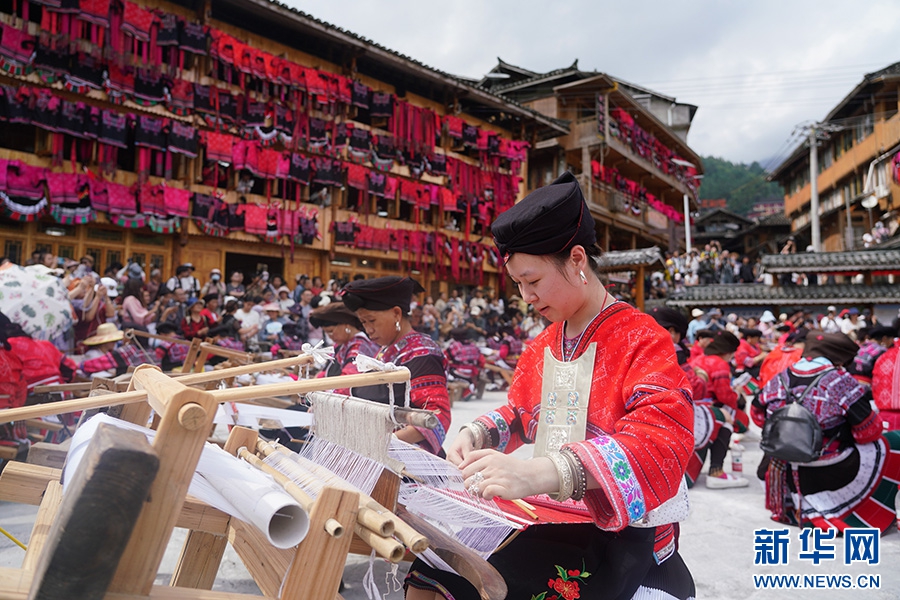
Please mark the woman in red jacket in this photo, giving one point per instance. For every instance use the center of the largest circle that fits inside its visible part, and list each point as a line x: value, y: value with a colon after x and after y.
x: 194, y: 324
x: 720, y: 413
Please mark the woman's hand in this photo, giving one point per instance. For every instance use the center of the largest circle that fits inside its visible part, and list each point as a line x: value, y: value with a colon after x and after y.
x: 508, y: 477
x: 461, y: 447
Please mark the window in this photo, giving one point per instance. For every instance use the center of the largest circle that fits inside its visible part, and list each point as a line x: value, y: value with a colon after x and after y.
x: 18, y: 136
x: 106, y: 235
x: 12, y: 249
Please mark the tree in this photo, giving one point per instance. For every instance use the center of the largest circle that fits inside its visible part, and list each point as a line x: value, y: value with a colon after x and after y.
x: 741, y: 185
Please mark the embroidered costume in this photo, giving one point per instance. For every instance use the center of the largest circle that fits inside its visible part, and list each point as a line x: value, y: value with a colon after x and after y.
x: 428, y: 383
x: 854, y: 482
x: 638, y: 440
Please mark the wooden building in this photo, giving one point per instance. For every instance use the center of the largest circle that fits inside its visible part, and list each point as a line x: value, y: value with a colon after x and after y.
x: 857, y: 148
x: 245, y: 135
x: 627, y: 143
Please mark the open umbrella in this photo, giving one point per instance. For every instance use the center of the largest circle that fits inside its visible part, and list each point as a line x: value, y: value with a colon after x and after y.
x: 37, y: 301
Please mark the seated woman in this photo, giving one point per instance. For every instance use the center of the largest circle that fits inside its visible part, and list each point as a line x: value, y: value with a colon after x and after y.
x: 465, y: 360
x: 344, y: 330
x: 382, y: 306
x: 600, y: 394
x: 717, y: 415
x: 886, y: 387
x: 106, y: 358
x: 853, y: 483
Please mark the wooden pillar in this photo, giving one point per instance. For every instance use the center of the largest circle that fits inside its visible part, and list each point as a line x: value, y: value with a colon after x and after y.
x: 639, y: 289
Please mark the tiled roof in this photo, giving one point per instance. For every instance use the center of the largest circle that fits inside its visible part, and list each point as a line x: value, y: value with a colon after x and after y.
x: 338, y: 31
x: 630, y: 259
x: 852, y: 262
x: 776, y: 219
x: 889, y: 243
x: 737, y: 294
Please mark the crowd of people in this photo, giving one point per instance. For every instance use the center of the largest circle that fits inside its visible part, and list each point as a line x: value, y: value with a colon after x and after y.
x: 624, y: 408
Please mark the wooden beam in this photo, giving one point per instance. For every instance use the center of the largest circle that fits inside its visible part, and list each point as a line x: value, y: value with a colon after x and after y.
x: 85, y: 542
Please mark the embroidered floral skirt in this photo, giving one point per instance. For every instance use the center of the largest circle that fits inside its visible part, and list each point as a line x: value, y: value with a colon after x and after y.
x: 565, y: 562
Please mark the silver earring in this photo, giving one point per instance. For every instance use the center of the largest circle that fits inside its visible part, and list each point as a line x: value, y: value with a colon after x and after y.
x: 397, y: 326
x: 583, y: 278
x: 346, y: 330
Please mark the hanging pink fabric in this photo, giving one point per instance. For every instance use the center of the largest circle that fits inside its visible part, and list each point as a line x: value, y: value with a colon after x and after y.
x: 138, y: 21
x: 63, y: 187
x: 99, y: 195
x: 152, y: 200
x: 121, y: 198
x: 177, y: 201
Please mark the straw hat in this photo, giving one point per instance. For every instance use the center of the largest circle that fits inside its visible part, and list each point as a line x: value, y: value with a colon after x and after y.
x: 106, y: 332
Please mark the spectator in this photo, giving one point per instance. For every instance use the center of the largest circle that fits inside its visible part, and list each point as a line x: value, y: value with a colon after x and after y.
x: 135, y: 314
x: 698, y: 322
x: 317, y: 286
x: 184, y: 279
x: 746, y: 271
x: 249, y: 319
x: 194, y: 324
x: 851, y: 325
x: 302, y: 282
x: 154, y: 283
x: 284, y: 298
x: 174, y: 310
x: 92, y: 307
x: 211, y: 310
x: 215, y: 285
x: 235, y: 287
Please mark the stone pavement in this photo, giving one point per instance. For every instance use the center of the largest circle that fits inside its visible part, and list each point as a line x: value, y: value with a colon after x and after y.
x: 717, y: 543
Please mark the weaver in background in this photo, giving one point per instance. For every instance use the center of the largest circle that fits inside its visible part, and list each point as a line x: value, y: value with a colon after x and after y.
x: 853, y: 482
x: 382, y: 306
x: 343, y: 328
x: 601, y: 395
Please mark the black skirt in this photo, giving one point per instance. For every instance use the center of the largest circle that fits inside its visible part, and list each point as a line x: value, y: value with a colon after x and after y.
x: 570, y: 561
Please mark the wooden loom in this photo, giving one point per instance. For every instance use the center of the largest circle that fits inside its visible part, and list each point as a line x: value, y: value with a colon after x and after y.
x: 312, y: 570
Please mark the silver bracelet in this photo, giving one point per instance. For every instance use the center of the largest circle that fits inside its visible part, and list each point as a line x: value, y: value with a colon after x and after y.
x: 580, y: 475
x: 566, y: 479
x: 478, y: 434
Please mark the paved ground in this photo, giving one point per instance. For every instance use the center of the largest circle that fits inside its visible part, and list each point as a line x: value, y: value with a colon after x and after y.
x: 717, y: 543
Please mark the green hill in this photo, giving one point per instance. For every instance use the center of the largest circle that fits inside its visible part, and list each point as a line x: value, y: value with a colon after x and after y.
x: 741, y: 185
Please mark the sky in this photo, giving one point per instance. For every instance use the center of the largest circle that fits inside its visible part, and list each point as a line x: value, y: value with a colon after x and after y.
x: 756, y: 70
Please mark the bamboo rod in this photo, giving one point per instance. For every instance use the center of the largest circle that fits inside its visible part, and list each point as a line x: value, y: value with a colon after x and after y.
x: 313, y: 385
x: 383, y: 545
x: 153, y: 336
x: 411, y: 538
x: 69, y: 406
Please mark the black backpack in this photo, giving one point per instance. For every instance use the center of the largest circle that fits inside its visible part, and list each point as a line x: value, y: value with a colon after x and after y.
x: 792, y: 433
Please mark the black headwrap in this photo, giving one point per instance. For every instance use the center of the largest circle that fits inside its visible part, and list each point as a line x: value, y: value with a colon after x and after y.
x: 549, y: 220
x: 724, y: 342
x: 334, y: 313
x: 383, y: 293
x: 836, y: 347
x: 670, y: 318
x: 8, y: 329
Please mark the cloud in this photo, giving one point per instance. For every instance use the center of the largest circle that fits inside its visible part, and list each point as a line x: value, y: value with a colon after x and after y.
x: 754, y: 69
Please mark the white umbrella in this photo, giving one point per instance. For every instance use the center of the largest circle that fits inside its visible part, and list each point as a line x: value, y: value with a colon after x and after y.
x: 38, y: 302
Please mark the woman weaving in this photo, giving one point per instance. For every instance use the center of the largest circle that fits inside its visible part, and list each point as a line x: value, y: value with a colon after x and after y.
x: 382, y: 306
x: 623, y: 451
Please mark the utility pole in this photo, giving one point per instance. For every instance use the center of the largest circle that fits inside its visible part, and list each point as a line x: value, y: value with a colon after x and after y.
x: 687, y: 223
x: 814, y: 190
